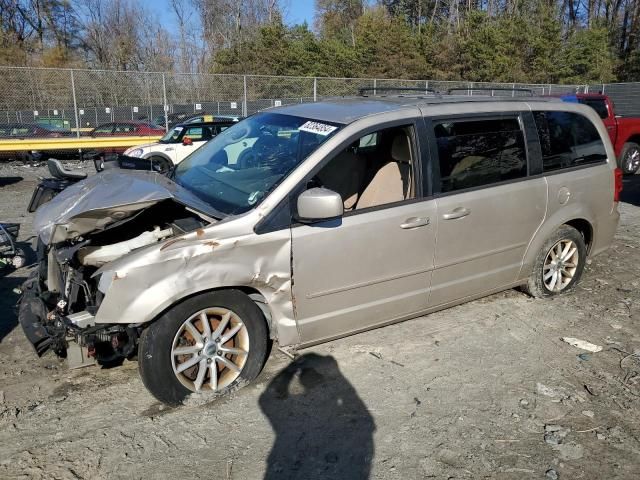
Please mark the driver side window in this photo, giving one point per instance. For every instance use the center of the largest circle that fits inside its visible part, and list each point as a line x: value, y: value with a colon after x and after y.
x: 377, y: 169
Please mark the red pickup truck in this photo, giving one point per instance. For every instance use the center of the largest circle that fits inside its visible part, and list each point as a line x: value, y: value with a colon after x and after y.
x: 624, y: 131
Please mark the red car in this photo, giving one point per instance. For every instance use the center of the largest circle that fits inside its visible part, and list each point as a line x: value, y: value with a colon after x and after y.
x: 126, y: 128
x: 24, y: 131
x: 623, y: 131
x: 31, y: 130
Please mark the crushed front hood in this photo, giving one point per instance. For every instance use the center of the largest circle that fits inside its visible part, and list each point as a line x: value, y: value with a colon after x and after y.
x: 105, y: 198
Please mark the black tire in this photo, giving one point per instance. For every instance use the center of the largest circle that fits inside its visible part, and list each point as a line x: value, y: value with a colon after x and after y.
x: 160, y: 165
x: 536, y: 286
x: 629, y: 161
x: 154, y: 352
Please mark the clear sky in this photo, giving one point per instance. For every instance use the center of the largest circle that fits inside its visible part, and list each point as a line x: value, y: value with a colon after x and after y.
x: 299, y: 11
x: 296, y: 11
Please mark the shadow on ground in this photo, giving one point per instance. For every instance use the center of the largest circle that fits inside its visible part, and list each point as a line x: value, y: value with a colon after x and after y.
x: 8, y: 299
x: 631, y: 190
x: 11, y: 279
x: 323, y: 429
x: 5, y: 181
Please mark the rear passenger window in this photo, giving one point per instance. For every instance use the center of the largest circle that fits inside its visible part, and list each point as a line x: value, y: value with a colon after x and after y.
x: 568, y: 140
x: 474, y: 153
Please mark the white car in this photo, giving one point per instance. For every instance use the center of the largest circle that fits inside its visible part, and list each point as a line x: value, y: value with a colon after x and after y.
x: 179, y: 143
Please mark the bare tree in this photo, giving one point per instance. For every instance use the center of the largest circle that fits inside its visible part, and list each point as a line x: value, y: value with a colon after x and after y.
x: 227, y: 22
x: 114, y: 37
x: 191, y: 47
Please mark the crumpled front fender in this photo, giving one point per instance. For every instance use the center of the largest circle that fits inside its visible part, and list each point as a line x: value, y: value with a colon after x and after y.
x: 181, y: 267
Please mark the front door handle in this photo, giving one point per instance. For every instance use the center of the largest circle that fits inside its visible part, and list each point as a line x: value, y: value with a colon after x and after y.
x: 456, y: 213
x: 414, y: 222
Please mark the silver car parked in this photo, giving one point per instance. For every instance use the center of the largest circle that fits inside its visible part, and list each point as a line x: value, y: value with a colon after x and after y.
x: 309, y: 222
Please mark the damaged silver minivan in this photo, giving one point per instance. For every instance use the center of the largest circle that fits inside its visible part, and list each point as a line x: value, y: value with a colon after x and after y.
x: 309, y: 222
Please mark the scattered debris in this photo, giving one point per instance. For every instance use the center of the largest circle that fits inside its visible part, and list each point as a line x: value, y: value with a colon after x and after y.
x: 229, y: 468
x: 519, y: 470
x: 376, y: 354
x: 551, y: 474
x: 524, y: 403
x: 600, y: 436
x: 584, y: 356
x: 286, y: 352
x: 557, y: 393
x: 589, y: 430
x: 546, y: 391
x: 555, y: 434
x: 590, y: 390
x: 590, y: 347
x: 588, y: 413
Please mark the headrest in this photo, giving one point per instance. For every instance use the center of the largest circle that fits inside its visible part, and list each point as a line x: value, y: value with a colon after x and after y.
x: 401, y: 149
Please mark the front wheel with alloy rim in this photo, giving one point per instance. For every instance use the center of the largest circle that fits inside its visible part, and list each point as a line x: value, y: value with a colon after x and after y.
x: 559, y: 264
x: 212, y: 342
x: 630, y: 158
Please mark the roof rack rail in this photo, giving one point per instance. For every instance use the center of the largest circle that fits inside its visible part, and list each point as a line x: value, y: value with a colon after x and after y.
x: 494, y: 89
x: 362, y: 90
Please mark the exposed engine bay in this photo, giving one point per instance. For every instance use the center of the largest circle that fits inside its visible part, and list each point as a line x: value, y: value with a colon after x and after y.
x: 63, y: 294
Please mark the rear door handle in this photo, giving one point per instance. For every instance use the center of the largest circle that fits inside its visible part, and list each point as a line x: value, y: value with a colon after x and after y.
x: 456, y: 213
x: 414, y: 222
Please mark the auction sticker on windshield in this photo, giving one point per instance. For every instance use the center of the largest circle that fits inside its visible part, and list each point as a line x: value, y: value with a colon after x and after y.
x: 318, y: 128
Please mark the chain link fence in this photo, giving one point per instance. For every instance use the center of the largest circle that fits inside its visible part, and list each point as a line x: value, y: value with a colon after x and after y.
x: 76, y: 101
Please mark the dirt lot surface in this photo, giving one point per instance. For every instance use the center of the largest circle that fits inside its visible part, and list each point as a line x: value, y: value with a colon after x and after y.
x: 484, y: 390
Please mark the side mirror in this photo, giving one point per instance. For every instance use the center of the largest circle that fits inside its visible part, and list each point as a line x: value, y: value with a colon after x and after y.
x: 186, y: 141
x: 318, y: 204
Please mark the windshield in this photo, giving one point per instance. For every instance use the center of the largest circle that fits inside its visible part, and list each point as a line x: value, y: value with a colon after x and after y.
x: 172, y: 136
x: 239, y: 167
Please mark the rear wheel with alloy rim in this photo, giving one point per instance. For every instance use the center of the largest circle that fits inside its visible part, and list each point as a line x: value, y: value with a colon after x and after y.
x: 208, y: 343
x: 559, y: 264
x: 630, y: 158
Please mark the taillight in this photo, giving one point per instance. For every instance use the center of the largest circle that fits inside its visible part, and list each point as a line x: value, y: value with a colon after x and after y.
x: 617, y: 184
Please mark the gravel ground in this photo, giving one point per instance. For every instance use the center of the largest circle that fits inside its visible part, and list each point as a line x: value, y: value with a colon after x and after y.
x: 483, y: 390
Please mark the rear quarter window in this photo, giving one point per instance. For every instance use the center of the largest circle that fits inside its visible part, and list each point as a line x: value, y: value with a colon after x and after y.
x: 568, y: 140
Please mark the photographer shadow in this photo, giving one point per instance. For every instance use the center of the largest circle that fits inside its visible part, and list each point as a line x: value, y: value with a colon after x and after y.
x: 323, y: 429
